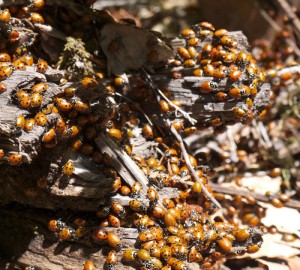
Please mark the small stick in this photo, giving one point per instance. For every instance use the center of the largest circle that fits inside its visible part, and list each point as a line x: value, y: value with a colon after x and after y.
x: 155, y: 88
x: 260, y: 197
x: 190, y: 167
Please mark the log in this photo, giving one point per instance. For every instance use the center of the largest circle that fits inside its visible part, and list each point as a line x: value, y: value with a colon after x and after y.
x: 37, y: 247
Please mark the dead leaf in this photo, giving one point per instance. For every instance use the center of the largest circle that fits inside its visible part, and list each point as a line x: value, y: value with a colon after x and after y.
x: 294, y: 263
x: 272, y: 247
x: 285, y: 219
x: 128, y: 47
x: 262, y: 184
x: 274, y: 266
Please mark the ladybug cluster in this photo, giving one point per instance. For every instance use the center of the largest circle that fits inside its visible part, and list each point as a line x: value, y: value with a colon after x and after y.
x: 171, y: 232
x: 233, y: 76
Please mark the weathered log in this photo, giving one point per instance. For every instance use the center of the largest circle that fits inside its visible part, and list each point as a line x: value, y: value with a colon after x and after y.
x: 35, y: 246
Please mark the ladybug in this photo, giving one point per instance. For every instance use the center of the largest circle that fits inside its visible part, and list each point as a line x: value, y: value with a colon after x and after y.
x: 4, y: 16
x: 118, y: 209
x: 183, y: 52
x: 36, y: 100
x: 178, y: 125
x: 29, y: 124
x: 166, y: 252
x: 179, y: 251
x: 192, y: 51
x: 38, y: 4
x: 4, y: 57
x: 71, y: 132
x: 15, y: 159
x: 40, y: 87
x: 158, y: 211
x: 27, y: 60
x: 136, y: 190
x: 146, y: 236
x: 209, y: 70
x: 173, y: 239
x: 180, y: 265
x: 41, y: 65
x: 55, y: 225
x: 206, y: 25
x: 135, y: 205
x: 127, y: 149
x: 235, y: 92
x: 221, y: 96
x: 119, y: 81
x: 20, y: 121
x: 194, y: 255
x: 68, y: 168
x: 114, y: 241
x: 229, y: 57
x: 13, y: 36
x: 125, y: 190
x: 77, y: 145
x: 114, y: 221
x: 60, y: 125
x: 229, y: 42
x: 238, y: 112
x: 115, y: 133
x: 48, y: 136
x: 169, y: 220
x: 99, y: 235
x: 157, y: 232
x: 189, y: 63
x: 225, y: 245
x: 25, y: 102
x: 221, y: 72
x: 1, y: 153
x: 18, y: 64
x: 21, y: 94
x: 89, y: 265
x: 155, y: 252
x: 147, y: 131
x: 243, y: 234
x: 81, y: 106
x: 5, y: 72
x: 111, y: 259
x: 198, y: 72
x: 37, y: 18
x: 207, y: 86
x: 143, y: 255
x: 253, y: 248
x: 188, y: 33
x: 193, y: 41
x: 67, y: 233
x: 69, y: 91
x: 63, y: 105
x: 116, y: 184
x: 89, y: 83
x: 152, y: 194
x: 168, y: 203
x: 40, y: 119
x: 220, y: 32
x: 243, y: 59
x: 129, y: 255
x: 234, y: 74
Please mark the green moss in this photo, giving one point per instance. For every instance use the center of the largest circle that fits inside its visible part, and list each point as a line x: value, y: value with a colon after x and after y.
x: 75, y: 60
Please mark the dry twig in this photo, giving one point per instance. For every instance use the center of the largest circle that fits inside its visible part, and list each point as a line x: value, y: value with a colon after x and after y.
x: 190, y: 167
